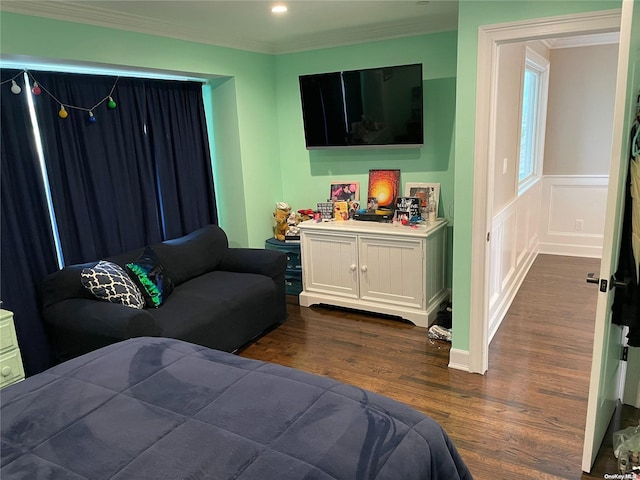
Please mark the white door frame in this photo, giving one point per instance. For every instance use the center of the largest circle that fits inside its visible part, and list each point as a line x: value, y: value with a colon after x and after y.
x: 489, y: 38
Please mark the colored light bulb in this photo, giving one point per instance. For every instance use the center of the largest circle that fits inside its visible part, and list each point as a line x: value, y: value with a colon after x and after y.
x: 112, y: 103
x: 36, y: 89
x: 63, y: 113
x: 92, y: 119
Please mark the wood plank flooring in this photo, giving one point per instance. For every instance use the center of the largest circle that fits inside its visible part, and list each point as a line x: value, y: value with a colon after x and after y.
x: 524, y: 419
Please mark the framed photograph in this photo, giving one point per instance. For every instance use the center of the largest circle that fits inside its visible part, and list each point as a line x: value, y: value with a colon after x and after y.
x: 345, y: 191
x: 413, y: 205
x: 421, y: 190
x: 384, y: 185
x: 340, y: 211
x: 326, y: 210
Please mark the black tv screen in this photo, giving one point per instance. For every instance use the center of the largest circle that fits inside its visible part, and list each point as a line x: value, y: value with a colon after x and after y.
x: 374, y: 107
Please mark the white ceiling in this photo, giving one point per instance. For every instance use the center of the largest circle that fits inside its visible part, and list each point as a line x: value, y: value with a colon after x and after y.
x: 250, y: 25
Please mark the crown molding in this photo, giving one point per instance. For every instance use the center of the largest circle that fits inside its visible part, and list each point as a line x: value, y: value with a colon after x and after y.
x: 86, y: 13
x: 369, y: 33
x: 91, y: 15
x: 586, y: 40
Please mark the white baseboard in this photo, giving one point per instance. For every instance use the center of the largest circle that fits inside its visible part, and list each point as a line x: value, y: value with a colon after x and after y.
x: 459, y: 359
x: 570, y: 250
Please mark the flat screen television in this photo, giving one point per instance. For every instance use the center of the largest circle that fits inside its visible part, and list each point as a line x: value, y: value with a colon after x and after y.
x: 373, y: 107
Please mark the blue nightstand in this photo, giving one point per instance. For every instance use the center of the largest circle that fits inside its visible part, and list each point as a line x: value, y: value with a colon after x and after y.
x: 293, y: 275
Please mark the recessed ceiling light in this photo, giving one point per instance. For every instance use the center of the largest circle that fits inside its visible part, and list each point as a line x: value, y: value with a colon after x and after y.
x: 279, y: 8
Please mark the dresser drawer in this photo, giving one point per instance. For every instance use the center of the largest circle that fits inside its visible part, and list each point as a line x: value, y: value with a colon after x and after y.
x: 8, y: 340
x: 11, y: 370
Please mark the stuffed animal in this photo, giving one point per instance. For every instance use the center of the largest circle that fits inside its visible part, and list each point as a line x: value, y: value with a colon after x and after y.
x: 281, y: 214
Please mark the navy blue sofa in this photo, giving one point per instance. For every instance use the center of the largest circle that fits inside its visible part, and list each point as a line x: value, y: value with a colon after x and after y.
x: 223, y: 298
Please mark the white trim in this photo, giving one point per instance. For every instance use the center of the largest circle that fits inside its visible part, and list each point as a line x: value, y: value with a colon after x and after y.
x: 459, y: 359
x: 536, y: 62
x: 569, y: 250
x: 585, y: 40
x: 489, y: 37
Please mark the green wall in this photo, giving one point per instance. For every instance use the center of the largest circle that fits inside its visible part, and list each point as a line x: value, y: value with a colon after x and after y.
x: 306, y: 174
x: 471, y: 16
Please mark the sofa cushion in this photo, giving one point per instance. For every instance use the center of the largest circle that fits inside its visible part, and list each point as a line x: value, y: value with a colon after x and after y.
x: 108, y: 281
x: 194, y: 254
x: 149, y: 274
x: 222, y: 310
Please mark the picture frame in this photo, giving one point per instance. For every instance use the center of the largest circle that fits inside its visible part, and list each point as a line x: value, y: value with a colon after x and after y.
x: 421, y: 190
x: 412, y: 205
x: 326, y: 210
x: 384, y: 185
x: 345, y: 191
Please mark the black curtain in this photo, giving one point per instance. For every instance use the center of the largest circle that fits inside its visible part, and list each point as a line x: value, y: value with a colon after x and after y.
x: 27, y: 245
x: 101, y: 174
x: 178, y: 134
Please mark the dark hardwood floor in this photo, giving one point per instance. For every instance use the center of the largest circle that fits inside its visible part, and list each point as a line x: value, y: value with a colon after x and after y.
x: 524, y: 419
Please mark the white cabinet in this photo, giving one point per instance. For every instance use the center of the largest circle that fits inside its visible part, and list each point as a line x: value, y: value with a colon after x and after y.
x: 11, y: 370
x: 377, y: 267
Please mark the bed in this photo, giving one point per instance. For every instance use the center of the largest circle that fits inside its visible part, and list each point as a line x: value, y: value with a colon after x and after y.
x: 157, y: 408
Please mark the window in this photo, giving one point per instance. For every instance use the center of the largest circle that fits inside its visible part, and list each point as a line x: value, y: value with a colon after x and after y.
x: 534, y: 108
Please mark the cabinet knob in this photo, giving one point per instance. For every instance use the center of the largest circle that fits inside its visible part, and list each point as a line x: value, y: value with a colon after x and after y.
x: 363, y: 268
x: 353, y: 267
x: 6, y: 371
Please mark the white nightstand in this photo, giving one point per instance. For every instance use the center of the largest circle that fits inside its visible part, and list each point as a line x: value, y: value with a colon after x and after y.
x: 11, y: 369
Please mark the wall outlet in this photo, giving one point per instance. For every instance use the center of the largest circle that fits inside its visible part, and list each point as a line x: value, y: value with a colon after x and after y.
x: 579, y: 224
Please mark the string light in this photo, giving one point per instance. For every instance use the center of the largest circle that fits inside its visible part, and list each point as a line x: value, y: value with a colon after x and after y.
x: 15, y: 88
x: 38, y: 88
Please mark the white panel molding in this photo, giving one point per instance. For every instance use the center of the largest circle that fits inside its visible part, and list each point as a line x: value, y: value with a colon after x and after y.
x: 569, y: 198
x: 459, y: 359
x: 512, y: 254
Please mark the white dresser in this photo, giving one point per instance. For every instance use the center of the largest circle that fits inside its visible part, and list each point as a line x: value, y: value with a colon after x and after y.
x: 376, y: 267
x: 11, y: 369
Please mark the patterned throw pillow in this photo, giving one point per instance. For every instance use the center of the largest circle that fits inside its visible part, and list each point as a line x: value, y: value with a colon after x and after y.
x: 108, y: 281
x: 154, y: 281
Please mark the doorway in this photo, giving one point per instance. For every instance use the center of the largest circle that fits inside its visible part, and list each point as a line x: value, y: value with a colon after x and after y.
x: 489, y: 40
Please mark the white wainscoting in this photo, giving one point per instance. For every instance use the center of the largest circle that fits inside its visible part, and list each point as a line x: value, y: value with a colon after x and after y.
x: 573, y: 213
x: 514, y: 241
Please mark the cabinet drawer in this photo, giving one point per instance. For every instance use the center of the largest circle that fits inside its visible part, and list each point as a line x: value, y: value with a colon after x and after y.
x: 293, y: 261
x: 8, y: 340
x: 11, y: 370
x: 293, y: 283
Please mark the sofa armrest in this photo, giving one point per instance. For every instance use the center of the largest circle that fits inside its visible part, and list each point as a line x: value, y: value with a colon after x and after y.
x: 80, y: 325
x: 271, y: 263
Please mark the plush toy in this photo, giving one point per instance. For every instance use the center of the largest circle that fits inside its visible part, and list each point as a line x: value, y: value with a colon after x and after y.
x: 281, y: 214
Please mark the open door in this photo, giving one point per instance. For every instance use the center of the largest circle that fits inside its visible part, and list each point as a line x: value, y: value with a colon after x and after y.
x: 605, y: 381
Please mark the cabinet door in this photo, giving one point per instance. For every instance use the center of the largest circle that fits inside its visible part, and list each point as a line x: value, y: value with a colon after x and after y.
x: 330, y: 264
x: 392, y: 270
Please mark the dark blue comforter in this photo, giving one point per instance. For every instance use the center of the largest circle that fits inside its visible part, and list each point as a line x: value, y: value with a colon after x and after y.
x: 155, y: 408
